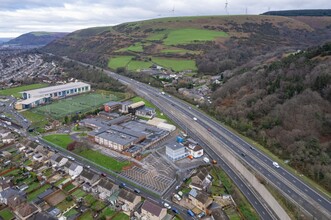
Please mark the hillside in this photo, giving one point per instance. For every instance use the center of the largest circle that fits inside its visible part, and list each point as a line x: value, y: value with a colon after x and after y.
x: 36, y: 38
x: 285, y: 106
x: 307, y: 12
x: 208, y: 44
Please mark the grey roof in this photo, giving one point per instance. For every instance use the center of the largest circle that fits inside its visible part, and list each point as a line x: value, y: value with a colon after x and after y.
x: 193, y: 193
x: 45, y: 193
x: 126, y: 195
x: 59, y: 88
x: 73, y: 166
x: 68, y: 164
x: 117, y: 137
x: 89, y: 175
x: 54, y: 157
x: 202, y: 197
x: 9, y: 193
x: 54, y: 211
x: 106, y: 184
x: 129, y: 131
x: 42, y: 216
x: 151, y: 208
x: 202, y: 174
x: 174, y: 146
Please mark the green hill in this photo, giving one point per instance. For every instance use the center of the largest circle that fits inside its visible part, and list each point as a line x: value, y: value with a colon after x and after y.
x: 200, y: 43
x: 36, y: 38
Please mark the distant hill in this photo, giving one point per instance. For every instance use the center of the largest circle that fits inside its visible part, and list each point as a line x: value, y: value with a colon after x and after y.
x: 36, y: 38
x: 307, y: 12
x: 3, y: 40
x: 207, y: 44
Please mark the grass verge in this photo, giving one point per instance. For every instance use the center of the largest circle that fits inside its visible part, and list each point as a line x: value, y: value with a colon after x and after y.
x: 61, y: 140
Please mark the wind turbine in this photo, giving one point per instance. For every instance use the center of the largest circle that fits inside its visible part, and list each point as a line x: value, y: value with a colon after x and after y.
x: 173, y: 10
x: 226, y: 7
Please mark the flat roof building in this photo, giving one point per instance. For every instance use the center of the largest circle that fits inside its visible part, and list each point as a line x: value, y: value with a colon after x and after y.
x: 176, y: 151
x: 57, y: 91
x: 35, y: 97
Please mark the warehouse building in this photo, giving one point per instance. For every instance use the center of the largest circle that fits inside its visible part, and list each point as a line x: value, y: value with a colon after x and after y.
x: 35, y: 97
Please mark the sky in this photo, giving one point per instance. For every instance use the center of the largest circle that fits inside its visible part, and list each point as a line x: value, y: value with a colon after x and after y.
x: 21, y: 16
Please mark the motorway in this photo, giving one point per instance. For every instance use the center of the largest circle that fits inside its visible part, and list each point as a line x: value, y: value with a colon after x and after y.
x: 289, y: 185
x: 309, y: 199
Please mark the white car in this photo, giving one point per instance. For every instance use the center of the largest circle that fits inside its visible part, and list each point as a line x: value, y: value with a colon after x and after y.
x: 275, y: 164
x: 166, y: 205
x: 177, y: 197
x: 195, y: 119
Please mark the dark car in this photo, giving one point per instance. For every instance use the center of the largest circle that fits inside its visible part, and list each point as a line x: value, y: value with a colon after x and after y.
x: 122, y: 185
x: 175, y: 210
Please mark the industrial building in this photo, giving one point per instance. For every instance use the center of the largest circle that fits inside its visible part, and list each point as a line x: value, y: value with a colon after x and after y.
x: 35, y: 97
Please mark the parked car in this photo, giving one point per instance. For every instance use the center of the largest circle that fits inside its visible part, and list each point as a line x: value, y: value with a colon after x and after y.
x: 175, y: 210
x: 166, y: 205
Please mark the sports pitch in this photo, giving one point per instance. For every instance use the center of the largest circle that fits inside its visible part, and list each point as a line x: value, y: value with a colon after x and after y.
x: 72, y: 105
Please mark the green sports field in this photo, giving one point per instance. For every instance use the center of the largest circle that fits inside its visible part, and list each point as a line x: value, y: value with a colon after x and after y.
x: 73, y: 105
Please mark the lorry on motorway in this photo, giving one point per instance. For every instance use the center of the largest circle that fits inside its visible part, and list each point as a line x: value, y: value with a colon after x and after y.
x: 206, y: 159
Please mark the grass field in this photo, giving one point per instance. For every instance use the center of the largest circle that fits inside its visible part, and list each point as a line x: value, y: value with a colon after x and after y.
x: 179, y: 51
x: 126, y: 61
x: 103, y: 160
x: 119, y: 61
x: 86, y: 216
x: 137, y: 47
x: 72, y: 105
x: 175, y: 64
x: 136, y: 64
x: 15, y: 91
x: 156, y: 36
x: 61, y: 140
x: 186, y: 36
x: 6, y: 214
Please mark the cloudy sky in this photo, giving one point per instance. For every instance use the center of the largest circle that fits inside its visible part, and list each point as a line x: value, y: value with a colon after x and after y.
x: 22, y: 16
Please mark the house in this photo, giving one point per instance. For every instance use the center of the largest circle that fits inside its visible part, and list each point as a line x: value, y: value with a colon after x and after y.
x: 89, y: 177
x: 129, y: 200
x: 6, y: 194
x: 25, y: 210
x: 195, y: 151
x: 42, y: 216
x: 15, y: 201
x: 106, y: 188
x: 4, y: 185
x: 73, y: 169
x: 112, y: 106
x: 152, y: 211
x: 200, y: 199
x: 58, y: 161
x: 202, y: 179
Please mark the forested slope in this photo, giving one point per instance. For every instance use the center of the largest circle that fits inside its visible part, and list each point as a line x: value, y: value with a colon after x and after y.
x: 286, y: 106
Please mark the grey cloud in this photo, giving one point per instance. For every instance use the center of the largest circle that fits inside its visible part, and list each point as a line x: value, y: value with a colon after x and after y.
x: 21, y: 16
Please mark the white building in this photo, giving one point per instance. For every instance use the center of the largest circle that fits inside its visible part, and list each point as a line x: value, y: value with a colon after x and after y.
x: 176, y: 151
x: 35, y: 97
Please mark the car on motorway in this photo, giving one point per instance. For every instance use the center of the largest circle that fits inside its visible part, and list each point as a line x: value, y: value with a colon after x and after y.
x: 243, y: 154
x: 209, y: 129
x: 195, y: 119
x: 166, y: 205
x: 136, y: 191
x: 275, y: 164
